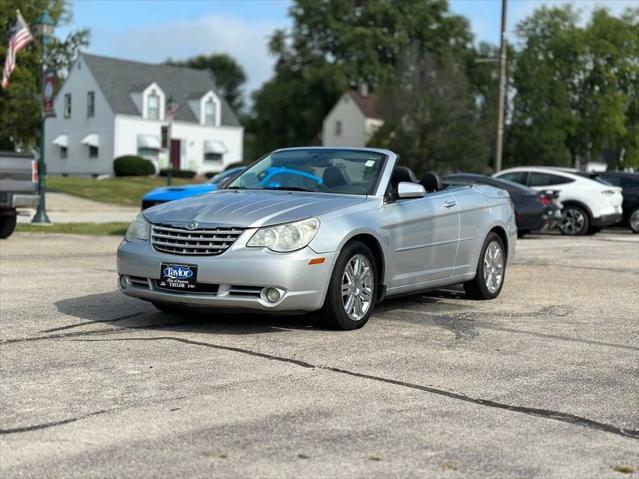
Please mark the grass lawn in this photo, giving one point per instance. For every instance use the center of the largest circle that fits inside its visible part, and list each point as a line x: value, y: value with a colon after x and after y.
x: 99, y: 229
x: 127, y: 190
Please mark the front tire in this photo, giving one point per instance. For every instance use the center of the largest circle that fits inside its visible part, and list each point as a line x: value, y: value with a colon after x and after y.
x: 491, y: 270
x: 576, y: 221
x: 350, y: 299
x: 7, y: 225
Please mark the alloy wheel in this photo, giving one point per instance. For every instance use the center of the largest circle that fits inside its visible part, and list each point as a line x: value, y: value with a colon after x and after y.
x: 493, y: 266
x: 357, y: 287
x: 574, y: 221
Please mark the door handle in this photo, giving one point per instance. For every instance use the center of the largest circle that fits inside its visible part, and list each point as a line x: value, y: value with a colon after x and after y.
x: 449, y: 204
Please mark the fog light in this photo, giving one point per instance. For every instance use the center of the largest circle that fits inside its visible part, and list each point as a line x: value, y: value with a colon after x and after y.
x: 273, y: 295
x: 123, y: 282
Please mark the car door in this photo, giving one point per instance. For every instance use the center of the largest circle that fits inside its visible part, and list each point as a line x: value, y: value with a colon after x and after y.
x: 424, y: 233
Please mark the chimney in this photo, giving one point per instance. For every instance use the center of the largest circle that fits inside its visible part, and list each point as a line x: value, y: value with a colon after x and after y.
x: 363, y: 89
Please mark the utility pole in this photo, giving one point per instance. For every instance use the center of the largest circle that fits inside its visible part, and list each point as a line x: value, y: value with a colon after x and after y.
x: 503, y: 50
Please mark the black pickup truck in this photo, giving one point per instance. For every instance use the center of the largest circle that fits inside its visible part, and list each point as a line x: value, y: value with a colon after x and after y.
x: 18, y: 188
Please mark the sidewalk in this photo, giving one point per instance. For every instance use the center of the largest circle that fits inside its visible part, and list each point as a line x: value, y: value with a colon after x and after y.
x: 64, y: 208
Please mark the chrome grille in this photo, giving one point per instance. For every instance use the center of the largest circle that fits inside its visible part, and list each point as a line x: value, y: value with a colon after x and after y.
x: 201, y: 242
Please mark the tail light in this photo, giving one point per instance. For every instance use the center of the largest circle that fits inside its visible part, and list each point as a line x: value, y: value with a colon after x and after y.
x: 545, y: 200
x: 34, y: 171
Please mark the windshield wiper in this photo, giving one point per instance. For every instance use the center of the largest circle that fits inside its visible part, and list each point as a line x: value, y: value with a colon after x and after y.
x: 289, y: 188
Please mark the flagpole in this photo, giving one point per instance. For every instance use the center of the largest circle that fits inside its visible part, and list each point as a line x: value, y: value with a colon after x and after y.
x: 44, y: 29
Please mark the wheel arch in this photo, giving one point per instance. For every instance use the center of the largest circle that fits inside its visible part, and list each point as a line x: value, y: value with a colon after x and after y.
x: 501, y: 232
x: 580, y: 204
x: 378, y: 255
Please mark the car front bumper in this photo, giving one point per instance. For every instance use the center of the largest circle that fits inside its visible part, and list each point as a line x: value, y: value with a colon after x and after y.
x: 240, y: 274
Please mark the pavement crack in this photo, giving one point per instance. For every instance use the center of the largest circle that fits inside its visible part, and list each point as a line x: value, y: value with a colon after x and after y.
x: 86, y: 323
x: 536, y: 412
x: 491, y: 325
x: 94, y: 333
x: 46, y: 425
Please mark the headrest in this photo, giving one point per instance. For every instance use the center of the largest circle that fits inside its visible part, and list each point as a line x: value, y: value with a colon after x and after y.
x: 401, y: 173
x: 431, y: 182
x: 333, y: 177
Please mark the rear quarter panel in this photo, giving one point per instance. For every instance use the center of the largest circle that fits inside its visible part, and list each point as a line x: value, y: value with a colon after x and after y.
x: 481, y: 208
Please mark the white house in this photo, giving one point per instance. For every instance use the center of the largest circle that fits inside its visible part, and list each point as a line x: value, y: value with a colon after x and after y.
x: 109, y: 107
x: 353, y: 120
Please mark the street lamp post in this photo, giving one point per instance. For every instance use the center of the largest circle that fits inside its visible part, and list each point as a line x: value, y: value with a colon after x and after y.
x: 44, y: 30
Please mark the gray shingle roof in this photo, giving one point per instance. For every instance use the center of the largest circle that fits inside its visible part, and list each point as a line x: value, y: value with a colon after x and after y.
x: 119, y: 78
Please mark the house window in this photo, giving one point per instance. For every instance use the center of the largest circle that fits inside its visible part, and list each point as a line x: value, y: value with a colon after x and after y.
x: 209, y: 112
x: 67, y: 105
x: 91, y: 103
x: 64, y: 152
x: 148, y: 153
x: 164, y: 132
x: 213, y: 157
x: 93, y: 151
x: 153, y: 107
x: 338, y: 128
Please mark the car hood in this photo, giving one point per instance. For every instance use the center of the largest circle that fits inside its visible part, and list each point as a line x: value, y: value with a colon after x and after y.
x: 249, y: 208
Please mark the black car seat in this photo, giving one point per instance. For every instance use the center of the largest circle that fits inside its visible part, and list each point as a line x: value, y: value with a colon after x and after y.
x: 401, y: 173
x: 431, y: 182
x: 333, y: 177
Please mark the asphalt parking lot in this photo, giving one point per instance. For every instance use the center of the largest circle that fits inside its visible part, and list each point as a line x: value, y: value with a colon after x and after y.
x: 542, y: 382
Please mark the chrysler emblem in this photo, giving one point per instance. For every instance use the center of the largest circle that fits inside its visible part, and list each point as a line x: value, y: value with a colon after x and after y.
x: 192, y: 225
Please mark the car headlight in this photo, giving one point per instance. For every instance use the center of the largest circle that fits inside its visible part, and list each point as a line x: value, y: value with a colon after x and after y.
x: 287, y: 237
x: 138, y: 229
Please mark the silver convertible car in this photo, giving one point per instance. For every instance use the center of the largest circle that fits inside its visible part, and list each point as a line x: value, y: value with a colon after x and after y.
x: 331, y: 231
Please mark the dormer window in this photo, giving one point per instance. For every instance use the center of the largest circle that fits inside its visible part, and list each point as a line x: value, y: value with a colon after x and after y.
x: 207, y: 108
x: 209, y: 112
x: 153, y: 106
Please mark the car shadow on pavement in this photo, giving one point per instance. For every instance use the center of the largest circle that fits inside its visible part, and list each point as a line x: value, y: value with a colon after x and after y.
x: 115, y: 309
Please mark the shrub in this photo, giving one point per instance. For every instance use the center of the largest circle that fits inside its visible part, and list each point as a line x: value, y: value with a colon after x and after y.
x: 132, y: 166
x: 178, y: 173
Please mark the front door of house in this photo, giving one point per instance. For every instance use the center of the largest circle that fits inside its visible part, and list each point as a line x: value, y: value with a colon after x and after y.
x: 175, y: 154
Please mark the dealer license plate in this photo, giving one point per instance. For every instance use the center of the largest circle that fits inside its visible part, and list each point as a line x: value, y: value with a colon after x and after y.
x: 181, y: 277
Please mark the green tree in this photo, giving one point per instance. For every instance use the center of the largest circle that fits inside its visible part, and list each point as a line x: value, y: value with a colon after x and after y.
x: 576, y: 89
x: 543, y: 120
x: 229, y: 75
x: 608, y: 95
x: 334, y: 44
x: 20, y: 103
x: 431, y: 116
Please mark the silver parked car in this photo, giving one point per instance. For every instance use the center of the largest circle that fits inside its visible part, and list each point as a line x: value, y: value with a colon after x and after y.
x: 333, y: 230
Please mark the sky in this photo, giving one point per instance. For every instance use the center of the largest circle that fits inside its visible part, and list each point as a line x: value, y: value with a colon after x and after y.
x: 154, y: 30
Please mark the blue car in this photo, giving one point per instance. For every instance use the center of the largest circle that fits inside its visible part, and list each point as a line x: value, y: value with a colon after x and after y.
x: 273, y: 177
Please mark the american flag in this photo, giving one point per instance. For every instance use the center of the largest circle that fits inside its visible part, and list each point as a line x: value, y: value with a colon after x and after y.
x: 20, y: 39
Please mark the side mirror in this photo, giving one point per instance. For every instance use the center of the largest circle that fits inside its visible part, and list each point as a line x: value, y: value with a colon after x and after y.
x: 410, y: 190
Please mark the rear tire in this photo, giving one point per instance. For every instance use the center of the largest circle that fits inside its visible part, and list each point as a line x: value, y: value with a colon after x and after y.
x: 352, y: 290
x: 576, y: 221
x: 7, y: 225
x: 491, y: 270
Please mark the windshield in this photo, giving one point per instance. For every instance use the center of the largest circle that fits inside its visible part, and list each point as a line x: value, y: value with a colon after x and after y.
x: 225, y: 175
x: 353, y: 172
